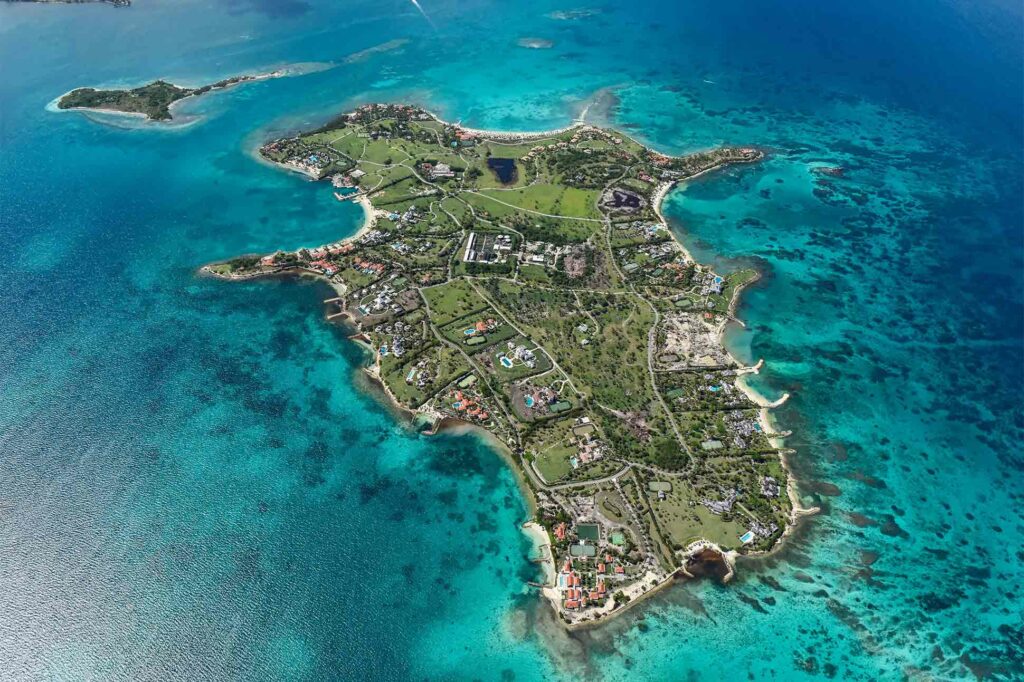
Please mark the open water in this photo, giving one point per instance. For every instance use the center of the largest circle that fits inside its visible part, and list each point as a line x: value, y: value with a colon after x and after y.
x: 195, y: 483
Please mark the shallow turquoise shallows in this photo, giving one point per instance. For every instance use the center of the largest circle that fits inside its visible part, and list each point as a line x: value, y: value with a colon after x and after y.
x: 197, y: 483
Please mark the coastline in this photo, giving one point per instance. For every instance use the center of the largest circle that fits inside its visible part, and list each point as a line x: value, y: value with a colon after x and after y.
x: 765, y: 419
x: 542, y: 544
x: 506, y: 135
x: 450, y: 425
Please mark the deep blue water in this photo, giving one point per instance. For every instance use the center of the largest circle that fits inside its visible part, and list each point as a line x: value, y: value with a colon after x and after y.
x: 195, y: 482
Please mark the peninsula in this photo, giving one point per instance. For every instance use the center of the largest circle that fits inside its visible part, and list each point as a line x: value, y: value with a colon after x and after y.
x: 528, y: 285
x: 152, y: 101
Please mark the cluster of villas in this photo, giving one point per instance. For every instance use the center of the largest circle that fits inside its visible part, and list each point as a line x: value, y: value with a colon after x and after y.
x: 589, y: 450
x: 421, y: 374
x: 585, y: 574
x: 517, y: 353
x: 709, y: 283
x: 399, y: 331
x: 466, y: 403
x: 655, y: 259
x: 769, y: 487
x: 314, y: 163
x: 437, y: 171
x: 538, y: 401
x: 583, y: 133
x: 541, y: 253
x: 744, y: 428
x: 640, y: 228
x: 410, y: 217
x: 476, y: 333
x: 379, y: 297
x: 574, y: 595
x: 368, y: 267
x: 315, y: 257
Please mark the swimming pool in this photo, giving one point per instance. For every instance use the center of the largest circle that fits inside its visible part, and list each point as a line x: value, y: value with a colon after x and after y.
x: 747, y: 537
x: 528, y: 400
x: 469, y: 332
x: 505, y: 362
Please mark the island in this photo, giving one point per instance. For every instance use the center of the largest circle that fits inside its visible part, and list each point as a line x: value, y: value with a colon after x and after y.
x: 153, y: 100
x: 528, y: 285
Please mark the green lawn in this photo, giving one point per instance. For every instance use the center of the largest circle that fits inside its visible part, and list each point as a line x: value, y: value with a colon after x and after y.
x: 552, y: 199
x: 553, y: 463
x: 684, y: 524
x: 451, y: 301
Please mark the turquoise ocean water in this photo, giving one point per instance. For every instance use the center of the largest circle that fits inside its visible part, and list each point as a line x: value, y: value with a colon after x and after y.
x: 196, y: 483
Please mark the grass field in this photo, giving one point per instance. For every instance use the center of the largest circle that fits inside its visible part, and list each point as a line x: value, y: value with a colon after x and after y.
x: 549, y: 443
x: 683, y: 524
x: 452, y: 300
x: 551, y: 199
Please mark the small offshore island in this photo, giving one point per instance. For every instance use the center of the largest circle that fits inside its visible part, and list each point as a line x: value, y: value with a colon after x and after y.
x: 528, y: 285
x: 153, y: 100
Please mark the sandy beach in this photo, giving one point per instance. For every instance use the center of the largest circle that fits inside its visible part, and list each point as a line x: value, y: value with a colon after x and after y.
x: 542, y: 547
x: 507, y: 136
